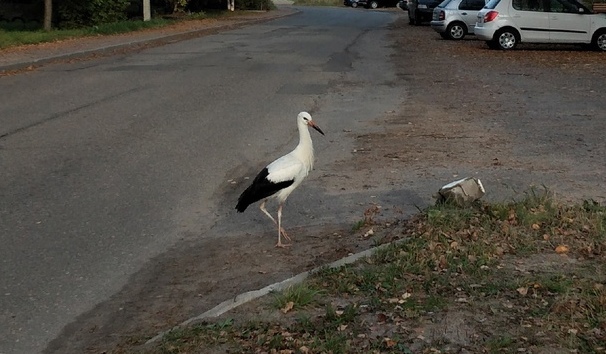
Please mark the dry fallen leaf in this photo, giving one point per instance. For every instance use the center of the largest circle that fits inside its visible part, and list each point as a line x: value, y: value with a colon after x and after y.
x: 443, y: 263
x: 523, y: 290
x: 535, y: 226
x: 342, y: 327
x: 289, y: 305
x: 389, y: 343
x: 561, y: 249
x: 369, y: 233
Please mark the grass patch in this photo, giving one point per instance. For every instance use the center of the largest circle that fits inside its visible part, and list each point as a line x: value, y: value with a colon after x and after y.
x: 12, y: 35
x: 297, y: 296
x: 496, y: 267
x: 16, y: 34
x: 499, y: 343
x: 358, y: 226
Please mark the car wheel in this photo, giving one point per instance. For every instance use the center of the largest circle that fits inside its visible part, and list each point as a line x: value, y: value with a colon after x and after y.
x: 354, y: 4
x: 507, y: 38
x: 456, y: 31
x: 374, y: 4
x: 599, y: 40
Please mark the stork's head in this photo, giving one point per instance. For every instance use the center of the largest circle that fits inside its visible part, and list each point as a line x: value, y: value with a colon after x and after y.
x: 306, y: 119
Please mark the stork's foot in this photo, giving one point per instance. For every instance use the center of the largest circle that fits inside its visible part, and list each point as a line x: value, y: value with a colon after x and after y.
x: 284, y: 234
x: 282, y: 245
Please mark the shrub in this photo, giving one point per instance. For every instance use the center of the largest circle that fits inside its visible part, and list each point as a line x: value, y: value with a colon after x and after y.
x: 255, y: 4
x: 86, y: 13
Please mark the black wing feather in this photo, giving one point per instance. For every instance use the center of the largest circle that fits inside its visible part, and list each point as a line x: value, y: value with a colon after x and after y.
x: 260, y: 188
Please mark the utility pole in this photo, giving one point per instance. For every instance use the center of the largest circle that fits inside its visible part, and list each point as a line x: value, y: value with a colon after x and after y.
x: 48, y: 15
x: 146, y: 10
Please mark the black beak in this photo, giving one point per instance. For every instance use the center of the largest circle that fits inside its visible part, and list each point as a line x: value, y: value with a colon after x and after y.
x: 313, y: 125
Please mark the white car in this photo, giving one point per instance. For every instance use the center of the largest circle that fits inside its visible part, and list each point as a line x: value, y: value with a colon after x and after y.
x: 505, y: 23
x: 453, y: 19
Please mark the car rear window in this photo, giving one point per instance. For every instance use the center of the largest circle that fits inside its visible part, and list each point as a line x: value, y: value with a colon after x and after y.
x: 472, y: 5
x: 444, y: 3
x: 492, y: 4
x: 430, y: 3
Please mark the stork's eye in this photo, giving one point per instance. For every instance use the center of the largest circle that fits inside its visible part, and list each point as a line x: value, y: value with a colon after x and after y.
x: 304, y: 118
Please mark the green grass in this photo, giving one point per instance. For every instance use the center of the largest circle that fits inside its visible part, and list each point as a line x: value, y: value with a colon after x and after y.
x: 16, y: 34
x: 498, y: 343
x: 299, y: 295
x: 452, y: 260
x: 13, y: 35
x: 357, y: 226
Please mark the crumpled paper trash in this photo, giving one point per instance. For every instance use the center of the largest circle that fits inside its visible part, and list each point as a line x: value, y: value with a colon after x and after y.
x: 462, y: 192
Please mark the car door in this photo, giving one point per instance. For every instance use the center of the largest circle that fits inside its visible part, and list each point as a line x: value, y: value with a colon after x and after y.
x: 567, y: 23
x: 531, y: 19
x: 468, y: 9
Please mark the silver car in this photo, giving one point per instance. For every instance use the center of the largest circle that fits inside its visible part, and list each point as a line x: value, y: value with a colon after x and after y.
x: 505, y: 23
x: 454, y: 19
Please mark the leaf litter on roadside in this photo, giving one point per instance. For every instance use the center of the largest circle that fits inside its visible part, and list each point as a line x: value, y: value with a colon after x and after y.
x: 483, y: 279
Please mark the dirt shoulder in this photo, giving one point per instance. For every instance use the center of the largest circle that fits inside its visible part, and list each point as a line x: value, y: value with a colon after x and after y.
x: 530, y: 117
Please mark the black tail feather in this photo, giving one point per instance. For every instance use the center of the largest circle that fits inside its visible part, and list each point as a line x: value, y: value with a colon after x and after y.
x: 260, y: 188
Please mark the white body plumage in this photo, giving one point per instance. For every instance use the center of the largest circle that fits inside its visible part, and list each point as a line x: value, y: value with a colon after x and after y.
x: 295, y: 166
x: 282, y: 176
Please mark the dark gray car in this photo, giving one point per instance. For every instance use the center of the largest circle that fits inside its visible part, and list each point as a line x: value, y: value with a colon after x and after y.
x: 420, y: 11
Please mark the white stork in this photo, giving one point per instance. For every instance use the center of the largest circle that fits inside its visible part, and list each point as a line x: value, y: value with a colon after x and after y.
x: 282, y: 176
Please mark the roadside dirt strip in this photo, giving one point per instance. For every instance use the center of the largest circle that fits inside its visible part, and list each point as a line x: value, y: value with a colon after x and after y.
x: 534, y: 116
x: 246, y: 297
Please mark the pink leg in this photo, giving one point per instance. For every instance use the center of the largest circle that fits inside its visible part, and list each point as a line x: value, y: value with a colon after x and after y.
x: 281, y: 231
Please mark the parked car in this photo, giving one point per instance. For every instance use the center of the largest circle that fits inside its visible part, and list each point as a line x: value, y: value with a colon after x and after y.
x: 505, y: 23
x: 373, y: 4
x: 352, y: 3
x: 454, y: 19
x: 420, y: 11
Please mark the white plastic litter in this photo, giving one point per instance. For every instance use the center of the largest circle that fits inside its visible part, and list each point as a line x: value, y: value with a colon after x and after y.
x: 462, y: 192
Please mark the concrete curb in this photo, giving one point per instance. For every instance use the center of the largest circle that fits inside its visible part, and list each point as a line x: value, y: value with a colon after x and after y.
x: 137, y: 44
x: 243, y: 298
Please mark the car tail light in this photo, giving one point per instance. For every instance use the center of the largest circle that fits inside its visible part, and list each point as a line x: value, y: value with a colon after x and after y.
x: 490, y: 16
x: 441, y: 16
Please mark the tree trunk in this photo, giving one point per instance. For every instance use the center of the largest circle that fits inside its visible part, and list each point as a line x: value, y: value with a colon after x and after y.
x: 48, y: 14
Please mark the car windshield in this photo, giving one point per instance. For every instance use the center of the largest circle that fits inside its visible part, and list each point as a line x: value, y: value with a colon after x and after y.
x: 578, y: 5
x: 492, y: 4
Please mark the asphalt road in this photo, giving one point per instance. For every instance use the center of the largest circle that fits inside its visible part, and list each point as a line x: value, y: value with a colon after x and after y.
x: 105, y: 164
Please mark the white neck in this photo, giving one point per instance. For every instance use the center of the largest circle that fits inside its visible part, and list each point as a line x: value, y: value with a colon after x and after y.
x: 305, y: 150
